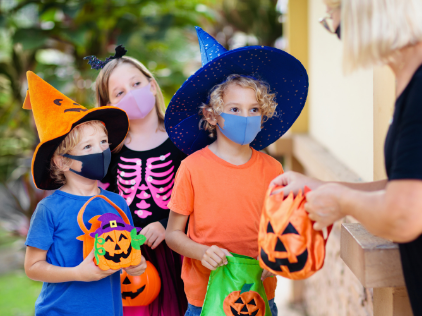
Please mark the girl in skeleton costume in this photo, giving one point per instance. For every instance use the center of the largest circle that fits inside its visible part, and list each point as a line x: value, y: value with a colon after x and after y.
x: 143, y: 170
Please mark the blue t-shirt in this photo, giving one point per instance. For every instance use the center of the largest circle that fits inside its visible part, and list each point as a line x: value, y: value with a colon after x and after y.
x: 54, y: 228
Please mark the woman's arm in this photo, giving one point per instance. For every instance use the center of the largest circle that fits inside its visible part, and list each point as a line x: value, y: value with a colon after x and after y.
x: 38, y: 269
x: 365, y: 186
x: 176, y: 239
x: 394, y: 213
x: 294, y: 181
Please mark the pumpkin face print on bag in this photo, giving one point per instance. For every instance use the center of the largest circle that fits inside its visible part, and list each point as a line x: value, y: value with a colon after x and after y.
x: 116, y: 243
x: 288, y: 244
x: 244, y: 302
x: 140, y: 290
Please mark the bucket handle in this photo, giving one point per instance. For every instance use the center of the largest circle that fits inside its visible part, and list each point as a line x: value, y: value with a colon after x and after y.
x: 81, y: 212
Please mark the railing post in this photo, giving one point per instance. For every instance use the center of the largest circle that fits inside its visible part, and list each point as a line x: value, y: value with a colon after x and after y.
x: 376, y: 263
x: 391, y: 301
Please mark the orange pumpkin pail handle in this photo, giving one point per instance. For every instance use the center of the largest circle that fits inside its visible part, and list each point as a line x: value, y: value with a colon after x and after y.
x: 81, y: 212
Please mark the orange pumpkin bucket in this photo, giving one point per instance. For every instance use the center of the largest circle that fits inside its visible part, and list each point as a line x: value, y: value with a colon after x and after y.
x: 140, y: 290
x: 116, y: 243
x: 288, y: 244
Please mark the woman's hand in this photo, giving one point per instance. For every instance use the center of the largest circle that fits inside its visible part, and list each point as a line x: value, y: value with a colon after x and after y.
x: 266, y: 274
x: 215, y: 257
x: 155, y: 234
x: 137, y: 270
x: 88, y: 271
x: 323, y: 205
x: 293, y: 182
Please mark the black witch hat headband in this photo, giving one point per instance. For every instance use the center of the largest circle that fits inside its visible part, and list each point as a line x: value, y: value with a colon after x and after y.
x: 99, y: 64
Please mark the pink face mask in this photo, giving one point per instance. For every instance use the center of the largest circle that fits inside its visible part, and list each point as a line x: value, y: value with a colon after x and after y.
x: 137, y: 103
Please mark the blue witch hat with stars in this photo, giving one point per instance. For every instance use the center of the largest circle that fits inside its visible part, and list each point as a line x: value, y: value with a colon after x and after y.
x: 285, y: 75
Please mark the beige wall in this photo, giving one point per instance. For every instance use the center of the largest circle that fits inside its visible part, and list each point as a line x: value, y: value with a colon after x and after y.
x: 341, y: 107
x: 349, y: 116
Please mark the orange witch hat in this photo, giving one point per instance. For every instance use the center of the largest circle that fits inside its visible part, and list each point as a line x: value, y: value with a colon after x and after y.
x: 55, y: 115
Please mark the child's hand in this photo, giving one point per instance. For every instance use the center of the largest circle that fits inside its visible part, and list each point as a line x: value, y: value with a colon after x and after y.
x: 215, y: 257
x: 87, y: 270
x: 266, y: 274
x: 137, y: 270
x: 155, y: 234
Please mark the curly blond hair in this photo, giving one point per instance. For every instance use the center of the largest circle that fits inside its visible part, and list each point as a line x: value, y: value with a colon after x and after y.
x: 70, y: 142
x: 214, y: 108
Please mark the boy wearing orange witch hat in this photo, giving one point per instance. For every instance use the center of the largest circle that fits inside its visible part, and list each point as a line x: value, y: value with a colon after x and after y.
x: 73, y: 154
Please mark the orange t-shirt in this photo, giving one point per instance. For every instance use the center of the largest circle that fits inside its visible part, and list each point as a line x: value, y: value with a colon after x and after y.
x: 224, y: 202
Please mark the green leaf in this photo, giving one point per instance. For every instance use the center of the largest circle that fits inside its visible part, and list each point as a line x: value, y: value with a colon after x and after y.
x: 30, y: 38
x: 246, y: 288
x: 137, y: 240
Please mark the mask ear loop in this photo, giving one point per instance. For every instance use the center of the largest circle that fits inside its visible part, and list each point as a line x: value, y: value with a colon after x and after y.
x: 74, y: 158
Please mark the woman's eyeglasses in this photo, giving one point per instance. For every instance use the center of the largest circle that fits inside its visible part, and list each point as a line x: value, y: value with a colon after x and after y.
x: 327, y: 23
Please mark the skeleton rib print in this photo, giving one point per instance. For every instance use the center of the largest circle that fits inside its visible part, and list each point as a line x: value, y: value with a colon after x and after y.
x: 141, y: 179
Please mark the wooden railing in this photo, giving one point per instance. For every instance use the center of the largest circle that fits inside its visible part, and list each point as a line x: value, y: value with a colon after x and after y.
x: 374, y: 261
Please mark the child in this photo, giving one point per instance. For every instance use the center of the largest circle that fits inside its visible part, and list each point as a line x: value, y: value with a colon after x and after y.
x: 72, y: 155
x: 143, y: 171
x: 221, y: 187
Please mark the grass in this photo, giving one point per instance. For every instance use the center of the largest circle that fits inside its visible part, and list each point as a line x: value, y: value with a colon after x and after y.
x: 18, y: 294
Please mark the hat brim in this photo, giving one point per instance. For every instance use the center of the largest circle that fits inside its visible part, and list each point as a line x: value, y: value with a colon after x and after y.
x: 116, y: 123
x: 285, y: 75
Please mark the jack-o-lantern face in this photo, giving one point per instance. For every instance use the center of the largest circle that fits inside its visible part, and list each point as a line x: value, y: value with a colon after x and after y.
x: 117, y: 245
x: 277, y: 256
x: 68, y: 105
x: 244, y: 302
x: 140, y: 290
x: 287, y: 238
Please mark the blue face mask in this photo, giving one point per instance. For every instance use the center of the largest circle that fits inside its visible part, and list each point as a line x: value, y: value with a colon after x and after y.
x: 94, y: 166
x: 239, y: 129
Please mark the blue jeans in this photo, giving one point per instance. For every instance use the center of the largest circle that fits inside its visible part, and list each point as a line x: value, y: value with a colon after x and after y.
x: 196, y: 311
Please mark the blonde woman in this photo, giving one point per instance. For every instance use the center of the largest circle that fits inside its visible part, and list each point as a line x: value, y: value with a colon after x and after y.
x: 381, y: 32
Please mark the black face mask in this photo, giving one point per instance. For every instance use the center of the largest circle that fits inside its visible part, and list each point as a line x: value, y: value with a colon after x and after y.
x: 338, y: 31
x: 94, y: 166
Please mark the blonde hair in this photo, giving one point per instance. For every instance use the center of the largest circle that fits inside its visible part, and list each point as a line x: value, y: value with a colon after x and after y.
x: 373, y: 31
x: 266, y: 100
x: 334, y: 4
x: 102, y: 91
x: 67, y: 145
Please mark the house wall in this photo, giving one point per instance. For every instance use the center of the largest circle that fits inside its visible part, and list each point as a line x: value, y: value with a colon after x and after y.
x: 340, y: 107
x: 349, y: 116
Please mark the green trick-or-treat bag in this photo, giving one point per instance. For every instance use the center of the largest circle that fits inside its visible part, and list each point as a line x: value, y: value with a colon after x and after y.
x: 236, y: 289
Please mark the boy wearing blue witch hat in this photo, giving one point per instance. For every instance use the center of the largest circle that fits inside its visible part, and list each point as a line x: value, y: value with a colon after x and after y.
x: 246, y: 99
